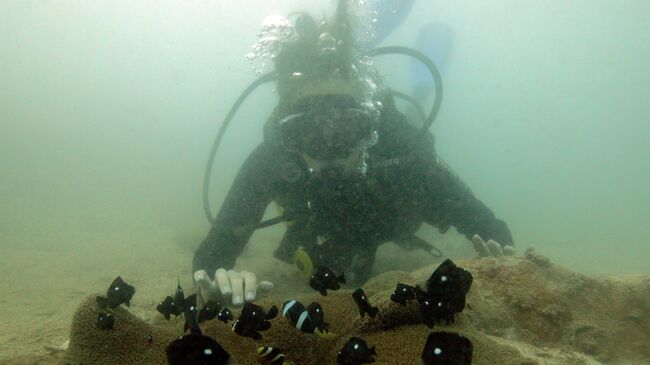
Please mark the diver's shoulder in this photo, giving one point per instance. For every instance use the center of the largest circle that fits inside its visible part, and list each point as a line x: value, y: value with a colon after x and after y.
x: 398, y: 132
x: 271, y: 151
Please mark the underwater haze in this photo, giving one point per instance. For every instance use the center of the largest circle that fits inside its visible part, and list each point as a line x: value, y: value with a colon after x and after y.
x: 108, y: 110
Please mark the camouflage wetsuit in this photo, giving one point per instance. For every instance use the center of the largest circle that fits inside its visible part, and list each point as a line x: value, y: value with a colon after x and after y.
x: 341, y: 223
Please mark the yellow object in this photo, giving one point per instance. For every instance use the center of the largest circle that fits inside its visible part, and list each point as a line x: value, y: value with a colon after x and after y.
x: 303, y: 262
x: 326, y: 335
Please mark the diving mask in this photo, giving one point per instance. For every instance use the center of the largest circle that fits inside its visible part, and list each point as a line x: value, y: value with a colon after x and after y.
x: 329, y: 134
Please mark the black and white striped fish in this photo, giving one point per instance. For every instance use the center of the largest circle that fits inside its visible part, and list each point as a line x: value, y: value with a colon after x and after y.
x: 310, y: 319
x: 272, y: 356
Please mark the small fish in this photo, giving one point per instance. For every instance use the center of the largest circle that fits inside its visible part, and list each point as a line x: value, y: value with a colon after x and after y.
x: 190, y: 315
x: 317, y: 316
x: 450, y: 281
x: 119, y: 292
x: 209, y: 311
x: 356, y: 352
x: 196, y: 349
x: 445, y: 293
x: 105, y: 321
x: 252, y: 320
x: 179, y: 299
x: 167, y: 307
x: 225, y: 315
x: 402, y: 294
x: 364, y: 306
x: 434, y: 308
x: 309, y: 320
x: 173, y: 305
x: 324, y: 279
x: 444, y: 348
x: 271, y: 356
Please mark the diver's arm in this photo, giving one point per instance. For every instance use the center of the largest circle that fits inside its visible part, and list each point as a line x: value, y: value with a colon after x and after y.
x: 449, y: 202
x: 445, y: 200
x: 240, y: 212
x: 453, y: 204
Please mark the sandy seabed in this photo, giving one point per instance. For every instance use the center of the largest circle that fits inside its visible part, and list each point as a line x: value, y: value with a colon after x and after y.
x: 520, y: 311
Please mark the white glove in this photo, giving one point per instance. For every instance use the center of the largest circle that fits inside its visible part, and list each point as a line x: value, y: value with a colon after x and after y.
x: 491, y: 248
x: 229, y: 286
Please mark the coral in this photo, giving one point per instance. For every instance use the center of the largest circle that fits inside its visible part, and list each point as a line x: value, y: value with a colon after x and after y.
x: 132, y: 341
x: 520, y: 311
x: 533, y: 256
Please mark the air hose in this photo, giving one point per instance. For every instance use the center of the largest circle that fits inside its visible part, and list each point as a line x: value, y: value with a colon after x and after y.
x: 269, y: 77
x: 433, y: 70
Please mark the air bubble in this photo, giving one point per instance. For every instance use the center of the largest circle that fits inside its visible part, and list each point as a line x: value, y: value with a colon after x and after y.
x: 275, y: 29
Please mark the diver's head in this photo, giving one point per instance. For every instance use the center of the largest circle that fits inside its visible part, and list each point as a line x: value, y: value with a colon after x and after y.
x: 328, y: 92
x: 331, y: 132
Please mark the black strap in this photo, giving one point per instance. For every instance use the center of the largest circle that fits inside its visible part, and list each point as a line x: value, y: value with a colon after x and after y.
x: 413, y: 242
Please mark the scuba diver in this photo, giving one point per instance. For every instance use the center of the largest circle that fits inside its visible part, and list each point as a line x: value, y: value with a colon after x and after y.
x: 346, y: 167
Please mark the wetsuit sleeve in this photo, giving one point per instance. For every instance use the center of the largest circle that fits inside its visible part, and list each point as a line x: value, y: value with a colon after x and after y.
x: 241, y: 211
x: 449, y: 202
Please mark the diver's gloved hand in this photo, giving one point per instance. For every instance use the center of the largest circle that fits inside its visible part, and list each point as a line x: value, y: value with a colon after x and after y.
x: 229, y: 286
x: 491, y: 248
